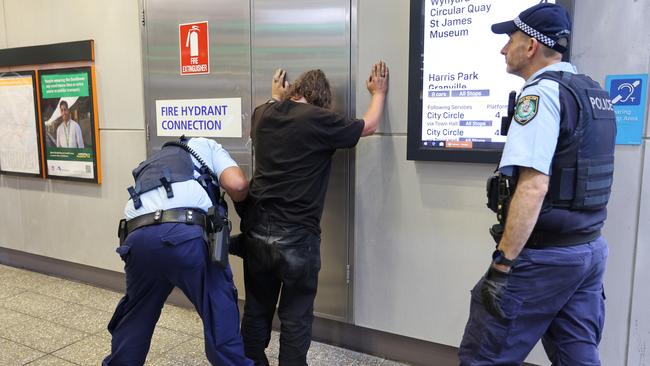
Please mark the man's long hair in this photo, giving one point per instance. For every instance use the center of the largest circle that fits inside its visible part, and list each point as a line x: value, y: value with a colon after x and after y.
x: 314, y: 86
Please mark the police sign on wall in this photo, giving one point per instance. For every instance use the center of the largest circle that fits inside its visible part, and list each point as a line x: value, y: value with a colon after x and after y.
x: 194, y: 48
x: 199, y: 117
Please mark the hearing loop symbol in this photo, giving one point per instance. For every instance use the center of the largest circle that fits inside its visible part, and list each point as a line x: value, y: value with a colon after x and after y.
x: 626, y: 90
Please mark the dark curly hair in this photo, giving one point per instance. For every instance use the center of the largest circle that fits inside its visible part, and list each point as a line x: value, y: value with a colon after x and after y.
x: 314, y: 86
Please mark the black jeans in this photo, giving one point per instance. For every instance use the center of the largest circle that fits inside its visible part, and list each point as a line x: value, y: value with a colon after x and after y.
x: 280, y: 262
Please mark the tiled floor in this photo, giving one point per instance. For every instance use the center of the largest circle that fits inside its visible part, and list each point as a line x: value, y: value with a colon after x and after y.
x: 49, y: 321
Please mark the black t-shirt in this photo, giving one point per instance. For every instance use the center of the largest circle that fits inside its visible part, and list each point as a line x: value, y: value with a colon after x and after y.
x: 293, y: 144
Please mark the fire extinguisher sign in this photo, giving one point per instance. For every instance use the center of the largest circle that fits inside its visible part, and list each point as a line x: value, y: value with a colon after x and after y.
x: 194, y: 48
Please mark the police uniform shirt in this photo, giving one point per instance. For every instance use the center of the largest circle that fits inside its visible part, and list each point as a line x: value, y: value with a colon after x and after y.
x: 535, y: 128
x: 188, y: 193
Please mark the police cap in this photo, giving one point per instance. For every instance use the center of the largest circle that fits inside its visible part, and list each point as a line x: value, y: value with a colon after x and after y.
x: 548, y: 23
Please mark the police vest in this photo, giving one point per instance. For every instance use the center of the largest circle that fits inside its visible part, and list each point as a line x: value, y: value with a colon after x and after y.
x: 582, y: 170
x: 170, y: 165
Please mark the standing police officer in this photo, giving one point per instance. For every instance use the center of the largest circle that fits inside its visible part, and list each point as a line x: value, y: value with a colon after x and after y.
x: 174, y: 205
x: 546, y: 278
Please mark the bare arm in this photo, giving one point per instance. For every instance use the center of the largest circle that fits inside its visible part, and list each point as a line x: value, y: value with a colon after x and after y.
x: 234, y: 182
x: 523, y: 212
x: 377, y: 85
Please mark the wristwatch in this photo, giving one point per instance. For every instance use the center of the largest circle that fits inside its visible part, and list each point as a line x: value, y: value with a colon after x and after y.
x: 500, y: 258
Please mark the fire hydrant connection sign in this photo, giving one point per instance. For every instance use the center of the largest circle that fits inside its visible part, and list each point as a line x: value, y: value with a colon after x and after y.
x: 194, y: 48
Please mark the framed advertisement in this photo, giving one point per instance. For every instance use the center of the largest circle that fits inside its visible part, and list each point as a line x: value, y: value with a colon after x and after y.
x: 68, y: 111
x: 20, y: 152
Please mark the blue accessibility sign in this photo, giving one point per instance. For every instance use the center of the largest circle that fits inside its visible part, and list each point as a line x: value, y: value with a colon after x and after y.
x: 628, y: 93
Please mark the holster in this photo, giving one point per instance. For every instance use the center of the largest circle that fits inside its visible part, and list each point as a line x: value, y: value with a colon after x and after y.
x: 121, y: 231
x: 218, y: 237
x: 496, y: 231
x: 492, y: 191
x: 499, y: 190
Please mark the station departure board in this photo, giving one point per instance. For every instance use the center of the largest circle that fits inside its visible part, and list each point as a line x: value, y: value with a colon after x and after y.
x: 458, y: 85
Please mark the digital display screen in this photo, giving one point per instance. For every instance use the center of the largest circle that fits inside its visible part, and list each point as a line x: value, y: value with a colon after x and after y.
x: 458, y: 82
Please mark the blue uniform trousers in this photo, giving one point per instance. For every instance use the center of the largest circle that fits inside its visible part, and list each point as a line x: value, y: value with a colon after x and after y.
x: 158, y: 258
x: 555, y: 294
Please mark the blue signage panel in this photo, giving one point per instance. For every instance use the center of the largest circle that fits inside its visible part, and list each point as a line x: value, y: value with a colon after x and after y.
x: 628, y: 93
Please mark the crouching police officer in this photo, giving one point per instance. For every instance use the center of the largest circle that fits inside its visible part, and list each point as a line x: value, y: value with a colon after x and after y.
x: 553, y: 185
x: 175, y: 210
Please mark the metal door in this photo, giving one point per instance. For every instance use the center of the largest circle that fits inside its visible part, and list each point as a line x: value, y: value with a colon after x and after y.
x: 248, y: 41
x: 230, y: 65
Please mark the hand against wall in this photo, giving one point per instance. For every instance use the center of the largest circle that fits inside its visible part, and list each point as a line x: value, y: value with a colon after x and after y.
x: 279, y: 85
x: 378, y: 80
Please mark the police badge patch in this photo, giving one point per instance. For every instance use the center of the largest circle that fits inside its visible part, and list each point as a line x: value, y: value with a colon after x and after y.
x: 526, y: 109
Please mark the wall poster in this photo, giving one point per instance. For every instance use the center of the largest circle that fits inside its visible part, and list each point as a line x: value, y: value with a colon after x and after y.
x: 20, y: 151
x: 69, y: 120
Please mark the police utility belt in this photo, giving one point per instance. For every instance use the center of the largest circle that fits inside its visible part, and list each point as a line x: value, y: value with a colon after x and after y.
x: 214, y: 225
x: 174, y: 215
x: 500, y: 189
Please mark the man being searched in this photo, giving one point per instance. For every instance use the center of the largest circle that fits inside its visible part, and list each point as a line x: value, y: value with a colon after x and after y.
x: 294, y: 136
x: 173, y: 236
x: 546, y: 276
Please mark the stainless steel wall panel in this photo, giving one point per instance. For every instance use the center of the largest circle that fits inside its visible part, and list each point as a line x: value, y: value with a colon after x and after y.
x: 312, y: 34
x: 299, y: 36
x: 229, y: 42
x: 249, y: 40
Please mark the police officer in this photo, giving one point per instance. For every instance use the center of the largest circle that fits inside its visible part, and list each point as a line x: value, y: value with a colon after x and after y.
x: 295, y: 135
x: 175, y: 204
x: 546, y: 277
